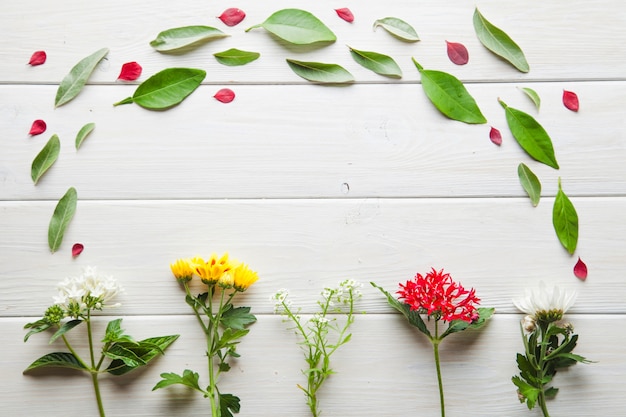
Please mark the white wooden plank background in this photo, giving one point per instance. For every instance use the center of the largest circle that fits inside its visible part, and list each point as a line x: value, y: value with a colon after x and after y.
x: 310, y: 185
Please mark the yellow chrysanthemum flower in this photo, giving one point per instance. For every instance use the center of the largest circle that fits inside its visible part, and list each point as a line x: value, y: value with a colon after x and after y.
x: 183, y: 270
x: 243, y: 277
x: 212, y: 270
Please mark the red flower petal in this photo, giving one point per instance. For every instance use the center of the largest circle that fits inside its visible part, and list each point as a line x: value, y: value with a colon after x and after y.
x: 38, y: 127
x: 580, y: 270
x: 495, y: 136
x: 130, y: 71
x: 570, y: 100
x: 225, y: 95
x: 37, y: 58
x: 232, y: 16
x: 345, y: 14
x: 77, y: 249
x: 457, y: 53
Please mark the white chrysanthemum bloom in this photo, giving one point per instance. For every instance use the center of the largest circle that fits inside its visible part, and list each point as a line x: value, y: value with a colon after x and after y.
x: 546, y: 304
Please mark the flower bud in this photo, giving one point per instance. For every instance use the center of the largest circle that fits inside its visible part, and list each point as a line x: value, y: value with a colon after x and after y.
x: 529, y: 324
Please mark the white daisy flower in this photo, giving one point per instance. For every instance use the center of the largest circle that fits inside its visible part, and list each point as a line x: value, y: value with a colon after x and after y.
x: 546, y: 304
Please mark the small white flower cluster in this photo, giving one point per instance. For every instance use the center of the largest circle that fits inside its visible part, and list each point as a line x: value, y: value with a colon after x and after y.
x: 280, y: 300
x: 347, y: 289
x: 320, y: 319
x: 87, y: 291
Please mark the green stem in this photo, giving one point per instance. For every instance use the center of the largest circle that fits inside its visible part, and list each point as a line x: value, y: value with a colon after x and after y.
x: 435, y: 340
x: 96, y: 387
x: 93, y: 369
x: 542, y: 355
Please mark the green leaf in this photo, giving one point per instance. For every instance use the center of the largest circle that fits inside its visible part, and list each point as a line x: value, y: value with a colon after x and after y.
x: 398, y: 28
x: 320, y: 72
x: 237, y: 318
x: 297, y: 26
x: 115, y: 334
x: 531, y: 136
x: 459, y: 325
x: 45, y: 158
x: 166, y: 88
x: 532, y: 94
x: 185, y: 37
x: 83, y: 133
x: 411, y: 315
x: 229, y: 404
x: 38, y: 326
x: 530, y: 183
x: 65, y: 327
x: 63, y: 213
x: 499, y: 42
x: 529, y: 392
x: 379, y: 63
x: 551, y: 392
x: 74, y: 82
x: 189, y: 379
x: 122, y: 352
x: 234, y: 57
x: 59, y: 360
x: 565, y: 220
x: 146, y: 350
x: 230, y: 337
x: 450, y: 96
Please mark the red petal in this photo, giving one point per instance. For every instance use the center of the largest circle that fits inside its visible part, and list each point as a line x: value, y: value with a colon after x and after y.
x: 457, y: 53
x: 37, y: 58
x: 345, y: 14
x: 570, y: 100
x: 130, y: 71
x: 495, y: 136
x: 225, y: 95
x: 232, y: 16
x: 580, y: 270
x: 38, y: 127
x: 77, y: 249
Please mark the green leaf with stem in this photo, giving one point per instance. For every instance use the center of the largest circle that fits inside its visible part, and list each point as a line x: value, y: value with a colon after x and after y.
x: 565, y: 220
x: 83, y: 133
x: 185, y: 37
x: 498, y: 42
x: 412, y: 316
x: 75, y: 80
x: 63, y: 214
x: 45, y: 158
x: 530, y: 183
x: 297, y: 26
x: 188, y: 379
x: 35, y: 327
x: 378, y: 63
x: 119, y: 351
x: 320, y: 72
x: 532, y: 94
x: 398, y: 28
x: 235, y: 57
x: 65, y: 327
x: 146, y: 350
x: 455, y: 326
x: 59, y: 360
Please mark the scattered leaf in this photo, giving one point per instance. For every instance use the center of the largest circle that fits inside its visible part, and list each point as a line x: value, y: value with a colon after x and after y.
x: 37, y: 128
x: 37, y: 58
x: 531, y: 136
x: 320, y: 72
x: 457, y: 52
x: 345, y: 14
x: 77, y: 249
x: 532, y: 94
x: 580, y: 270
x: 379, y: 63
x: 130, y: 71
x: 185, y: 37
x: 450, y: 96
x: 232, y: 16
x: 570, y: 100
x: 499, y: 42
x: 45, y: 158
x: 83, y: 133
x: 398, y: 28
x: 565, y: 220
x: 495, y: 136
x: 297, y: 26
x: 225, y: 95
x: 166, y: 88
x: 530, y: 183
x: 74, y: 82
x: 234, y: 57
x: 63, y: 213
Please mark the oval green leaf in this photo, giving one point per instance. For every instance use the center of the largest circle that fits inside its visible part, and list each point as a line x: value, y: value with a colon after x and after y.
x: 185, y: 37
x: 321, y: 72
x: 45, y: 158
x: 83, y: 133
x: 499, y: 42
x: 379, y: 63
x: 532, y: 94
x: 234, y: 57
x: 398, y: 28
x: 297, y: 26
x: 59, y: 360
x: 450, y: 96
x: 531, y: 136
x: 63, y: 213
x: 166, y: 88
x: 530, y: 183
x: 565, y: 220
x: 76, y: 79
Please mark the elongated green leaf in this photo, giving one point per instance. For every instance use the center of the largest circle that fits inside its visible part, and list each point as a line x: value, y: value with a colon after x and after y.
x: 63, y: 213
x: 532, y: 94
x: 411, y: 315
x: 297, y: 26
x: 530, y: 183
x: 83, y: 133
x: 499, y: 42
x: 233, y: 57
x: 57, y: 359
x: 166, y: 88
x: 185, y: 37
x: 121, y: 352
x: 531, y: 136
x: 38, y: 326
x: 65, y: 327
x: 74, y: 82
x: 455, y: 326
x: 565, y: 220
x: 450, y: 96
x: 379, y: 63
x: 320, y: 72
x: 398, y: 28
x: 45, y: 158
x: 146, y: 350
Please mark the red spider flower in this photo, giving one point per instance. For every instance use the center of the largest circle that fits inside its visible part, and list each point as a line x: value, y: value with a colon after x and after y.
x: 440, y: 297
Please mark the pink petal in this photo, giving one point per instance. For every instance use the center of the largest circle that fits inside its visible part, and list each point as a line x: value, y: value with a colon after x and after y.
x: 38, y: 127
x: 495, y: 136
x: 457, y: 53
x: 570, y: 100
x: 130, y: 71
x: 38, y: 58
x: 580, y: 270
x: 225, y: 95
x: 77, y: 249
x: 345, y: 14
x: 232, y: 16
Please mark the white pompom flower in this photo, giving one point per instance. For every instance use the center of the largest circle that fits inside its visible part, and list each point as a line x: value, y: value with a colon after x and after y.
x: 546, y: 304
